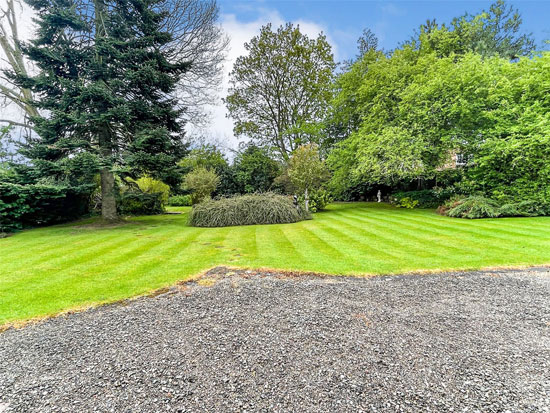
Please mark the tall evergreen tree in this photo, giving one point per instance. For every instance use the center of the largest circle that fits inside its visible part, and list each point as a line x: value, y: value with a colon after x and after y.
x: 107, y: 84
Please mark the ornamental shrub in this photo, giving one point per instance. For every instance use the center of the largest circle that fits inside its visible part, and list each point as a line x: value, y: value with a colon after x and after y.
x: 474, y: 207
x: 407, y: 203
x: 201, y: 182
x: 481, y: 207
x: 149, y: 185
x: 529, y: 208
x: 180, y: 200
x: 141, y: 203
x: 427, y: 198
x: 318, y: 200
x: 252, y: 209
x: 511, y: 210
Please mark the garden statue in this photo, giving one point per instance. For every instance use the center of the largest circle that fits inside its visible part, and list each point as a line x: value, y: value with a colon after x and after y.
x: 296, y: 201
x: 379, y: 196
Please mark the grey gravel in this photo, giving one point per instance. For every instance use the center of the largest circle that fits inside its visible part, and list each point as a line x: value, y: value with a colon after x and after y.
x: 259, y: 342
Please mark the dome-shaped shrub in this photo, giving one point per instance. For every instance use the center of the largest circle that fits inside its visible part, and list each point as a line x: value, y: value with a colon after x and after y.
x: 251, y: 209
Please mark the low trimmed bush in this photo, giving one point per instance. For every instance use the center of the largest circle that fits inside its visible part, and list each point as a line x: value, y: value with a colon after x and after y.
x: 140, y: 203
x: 407, y: 203
x: 180, y: 200
x: 253, y: 209
x: 426, y: 198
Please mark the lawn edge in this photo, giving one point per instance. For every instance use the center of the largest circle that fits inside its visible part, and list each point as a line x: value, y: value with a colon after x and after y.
x: 181, y: 285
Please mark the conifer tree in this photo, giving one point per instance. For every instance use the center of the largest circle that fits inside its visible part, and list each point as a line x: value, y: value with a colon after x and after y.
x: 107, y: 86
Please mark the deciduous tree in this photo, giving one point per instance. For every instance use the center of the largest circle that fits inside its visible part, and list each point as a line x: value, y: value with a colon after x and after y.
x: 493, y: 32
x: 202, y: 183
x: 280, y: 89
x: 306, y: 170
x: 254, y: 170
x: 15, y: 99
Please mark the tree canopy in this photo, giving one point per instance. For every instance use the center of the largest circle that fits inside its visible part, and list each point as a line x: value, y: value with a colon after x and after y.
x: 496, y: 31
x: 254, y: 170
x: 400, y: 116
x: 306, y: 170
x: 280, y: 90
x: 416, y: 112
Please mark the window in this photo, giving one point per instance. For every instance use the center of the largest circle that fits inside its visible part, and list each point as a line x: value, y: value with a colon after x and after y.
x: 461, y: 159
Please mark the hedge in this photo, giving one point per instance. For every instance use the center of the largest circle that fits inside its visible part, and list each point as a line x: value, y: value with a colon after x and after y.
x: 33, y: 205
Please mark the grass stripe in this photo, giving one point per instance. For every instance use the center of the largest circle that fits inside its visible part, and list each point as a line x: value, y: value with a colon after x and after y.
x: 46, y: 270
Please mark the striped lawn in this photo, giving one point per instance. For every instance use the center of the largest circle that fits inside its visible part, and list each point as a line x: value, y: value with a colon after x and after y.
x: 48, y: 270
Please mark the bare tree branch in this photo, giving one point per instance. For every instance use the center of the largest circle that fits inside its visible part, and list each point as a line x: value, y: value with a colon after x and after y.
x: 10, y: 46
x: 198, y: 39
x: 13, y: 123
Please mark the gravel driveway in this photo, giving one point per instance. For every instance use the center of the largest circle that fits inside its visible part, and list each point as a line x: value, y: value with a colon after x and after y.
x: 461, y: 342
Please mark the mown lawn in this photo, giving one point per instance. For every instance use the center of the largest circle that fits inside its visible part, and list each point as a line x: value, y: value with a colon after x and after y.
x: 47, y: 270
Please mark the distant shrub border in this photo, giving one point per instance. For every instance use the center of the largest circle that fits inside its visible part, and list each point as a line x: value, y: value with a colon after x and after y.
x: 179, y: 200
x: 426, y: 198
x: 474, y: 207
x: 253, y: 209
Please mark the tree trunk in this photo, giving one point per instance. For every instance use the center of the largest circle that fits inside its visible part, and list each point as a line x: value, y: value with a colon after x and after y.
x: 419, y: 183
x: 108, y: 196
x: 108, y: 199
x: 306, y: 200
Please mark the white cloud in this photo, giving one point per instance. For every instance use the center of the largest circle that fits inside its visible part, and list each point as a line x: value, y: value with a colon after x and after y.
x: 392, y: 10
x: 220, y: 129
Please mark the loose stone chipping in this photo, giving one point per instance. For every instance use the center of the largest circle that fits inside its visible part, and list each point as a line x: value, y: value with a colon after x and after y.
x: 269, y: 342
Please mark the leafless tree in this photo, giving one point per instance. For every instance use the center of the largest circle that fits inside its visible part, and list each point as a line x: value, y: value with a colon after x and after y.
x: 199, y: 39
x: 12, y: 96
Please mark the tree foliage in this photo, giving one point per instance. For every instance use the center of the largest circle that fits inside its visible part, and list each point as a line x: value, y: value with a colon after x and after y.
x: 493, y: 32
x: 254, y: 170
x: 149, y: 185
x: 306, y: 170
x: 201, y: 182
x: 400, y: 117
x: 106, y: 79
x: 366, y: 43
x: 279, y: 91
x: 418, y: 110
x: 210, y: 157
x: 205, y: 156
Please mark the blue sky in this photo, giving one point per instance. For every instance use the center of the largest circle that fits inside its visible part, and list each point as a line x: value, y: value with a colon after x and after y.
x: 392, y: 21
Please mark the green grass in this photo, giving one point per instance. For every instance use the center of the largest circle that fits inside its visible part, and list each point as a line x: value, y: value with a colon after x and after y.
x: 48, y: 270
